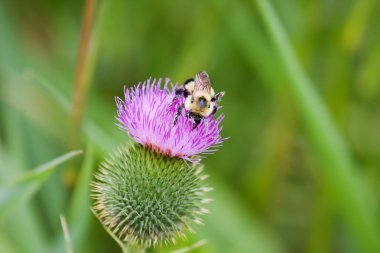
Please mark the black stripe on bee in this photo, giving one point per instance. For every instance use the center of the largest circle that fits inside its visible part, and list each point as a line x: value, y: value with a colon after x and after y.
x: 188, y: 81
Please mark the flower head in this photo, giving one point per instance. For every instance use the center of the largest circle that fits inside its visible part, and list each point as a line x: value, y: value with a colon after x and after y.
x: 148, y: 199
x: 147, y: 114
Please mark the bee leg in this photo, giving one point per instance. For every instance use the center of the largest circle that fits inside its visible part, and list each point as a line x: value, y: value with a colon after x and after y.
x: 218, y: 96
x: 214, y: 110
x: 178, y: 93
x: 197, y: 121
x: 179, y: 112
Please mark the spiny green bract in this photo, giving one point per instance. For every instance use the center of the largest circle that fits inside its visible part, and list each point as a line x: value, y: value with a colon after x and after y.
x: 146, y: 198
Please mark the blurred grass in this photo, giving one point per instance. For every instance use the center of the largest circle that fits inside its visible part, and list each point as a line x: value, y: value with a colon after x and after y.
x: 12, y: 194
x: 284, y: 182
x: 331, y: 151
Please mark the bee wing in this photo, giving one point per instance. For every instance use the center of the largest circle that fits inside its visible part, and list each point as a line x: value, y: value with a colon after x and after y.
x: 202, y: 82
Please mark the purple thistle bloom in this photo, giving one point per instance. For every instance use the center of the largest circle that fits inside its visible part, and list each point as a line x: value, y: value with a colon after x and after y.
x: 147, y: 115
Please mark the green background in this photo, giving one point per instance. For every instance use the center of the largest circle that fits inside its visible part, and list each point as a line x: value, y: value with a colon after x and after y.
x: 301, y: 169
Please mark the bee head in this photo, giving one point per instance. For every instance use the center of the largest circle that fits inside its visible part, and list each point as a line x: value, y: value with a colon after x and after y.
x: 201, y: 99
x: 202, y: 102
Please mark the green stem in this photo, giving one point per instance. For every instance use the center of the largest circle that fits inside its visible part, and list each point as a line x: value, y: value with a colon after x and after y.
x: 352, y: 197
x: 124, y: 249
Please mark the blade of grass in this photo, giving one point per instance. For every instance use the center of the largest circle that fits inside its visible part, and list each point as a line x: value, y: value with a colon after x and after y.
x: 79, y: 207
x: 24, y: 188
x: 79, y: 210
x: 252, y: 44
x: 81, y: 193
x: 191, y: 247
x: 66, y: 234
x: 351, y: 197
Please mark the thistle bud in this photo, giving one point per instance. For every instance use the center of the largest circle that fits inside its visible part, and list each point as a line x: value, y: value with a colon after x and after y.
x: 146, y: 198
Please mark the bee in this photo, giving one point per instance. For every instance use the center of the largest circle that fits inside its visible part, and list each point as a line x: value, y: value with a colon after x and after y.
x: 200, y: 98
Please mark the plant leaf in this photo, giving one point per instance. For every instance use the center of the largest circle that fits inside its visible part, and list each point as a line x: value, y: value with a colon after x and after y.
x: 22, y: 189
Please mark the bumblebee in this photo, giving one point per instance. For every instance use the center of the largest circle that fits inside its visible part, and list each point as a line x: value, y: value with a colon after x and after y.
x: 200, y: 98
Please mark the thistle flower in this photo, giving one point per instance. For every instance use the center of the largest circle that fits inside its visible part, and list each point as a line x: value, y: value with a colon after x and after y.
x: 147, y: 115
x: 146, y: 198
x: 147, y: 193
